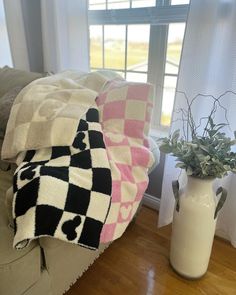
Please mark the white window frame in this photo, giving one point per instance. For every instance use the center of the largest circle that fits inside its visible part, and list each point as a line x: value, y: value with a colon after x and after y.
x: 159, y: 17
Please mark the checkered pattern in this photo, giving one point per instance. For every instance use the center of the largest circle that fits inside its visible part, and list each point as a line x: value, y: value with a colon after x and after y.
x: 61, y: 192
x: 125, y: 111
x: 48, y: 107
x: 126, y: 108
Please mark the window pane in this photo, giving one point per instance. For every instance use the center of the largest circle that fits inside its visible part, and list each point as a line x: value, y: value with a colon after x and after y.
x: 5, y: 53
x: 136, y: 77
x: 97, y: 4
x: 138, y: 44
x: 168, y: 100
x: 175, y: 39
x: 96, y: 46
x: 178, y: 2
x: 118, y: 4
x: 143, y: 3
x: 114, y: 43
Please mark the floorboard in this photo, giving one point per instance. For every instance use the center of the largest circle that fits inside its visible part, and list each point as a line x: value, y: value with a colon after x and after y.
x: 138, y: 264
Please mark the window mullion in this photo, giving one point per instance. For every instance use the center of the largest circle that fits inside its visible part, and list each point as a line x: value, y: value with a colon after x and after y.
x: 171, y: 75
x: 156, y: 67
x: 166, y: 2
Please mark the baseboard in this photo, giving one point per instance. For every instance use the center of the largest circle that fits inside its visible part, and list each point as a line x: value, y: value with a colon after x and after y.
x: 151, y: 202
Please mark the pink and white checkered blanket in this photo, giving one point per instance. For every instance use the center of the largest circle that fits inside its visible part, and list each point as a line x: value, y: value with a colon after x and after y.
x: 125, y: 110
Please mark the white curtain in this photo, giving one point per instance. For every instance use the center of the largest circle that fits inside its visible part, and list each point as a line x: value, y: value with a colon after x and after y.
x: 16, y: 34
x: 65, y: 35
x: 208, y: 67
x: 48, y: 35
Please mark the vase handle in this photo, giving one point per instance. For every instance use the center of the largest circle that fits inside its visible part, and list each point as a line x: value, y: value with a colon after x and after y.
x: 223, y: 194
x: 175, y: 188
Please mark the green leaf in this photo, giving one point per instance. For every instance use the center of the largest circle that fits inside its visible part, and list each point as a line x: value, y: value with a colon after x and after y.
x: 204, y: 148
x: 165, y: 148
x: 211, y: 123
x: 175, y: 135
x: 189, y: 171
x: 180, y: 165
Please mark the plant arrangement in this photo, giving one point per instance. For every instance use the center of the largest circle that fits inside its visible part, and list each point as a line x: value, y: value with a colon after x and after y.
x: 206, y: 154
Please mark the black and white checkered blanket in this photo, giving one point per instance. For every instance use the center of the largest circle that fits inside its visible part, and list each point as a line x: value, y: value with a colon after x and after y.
x: 65, y: 191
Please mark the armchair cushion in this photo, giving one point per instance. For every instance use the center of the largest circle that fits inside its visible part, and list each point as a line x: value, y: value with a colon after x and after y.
x: 10, y: 78
x: 6, y: 103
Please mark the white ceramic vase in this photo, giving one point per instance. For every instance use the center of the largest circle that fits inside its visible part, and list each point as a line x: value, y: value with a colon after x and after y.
x: 193, y: 226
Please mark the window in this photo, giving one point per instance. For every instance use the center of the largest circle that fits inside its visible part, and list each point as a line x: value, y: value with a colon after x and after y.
x: 142, y: 41
x: 120, y: 48
x: 5, y: 54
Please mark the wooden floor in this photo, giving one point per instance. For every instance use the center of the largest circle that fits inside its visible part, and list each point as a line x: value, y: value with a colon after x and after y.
x: 137, y: 264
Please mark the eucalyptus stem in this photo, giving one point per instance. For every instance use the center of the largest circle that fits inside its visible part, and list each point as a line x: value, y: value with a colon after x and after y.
x: 203, y: 155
